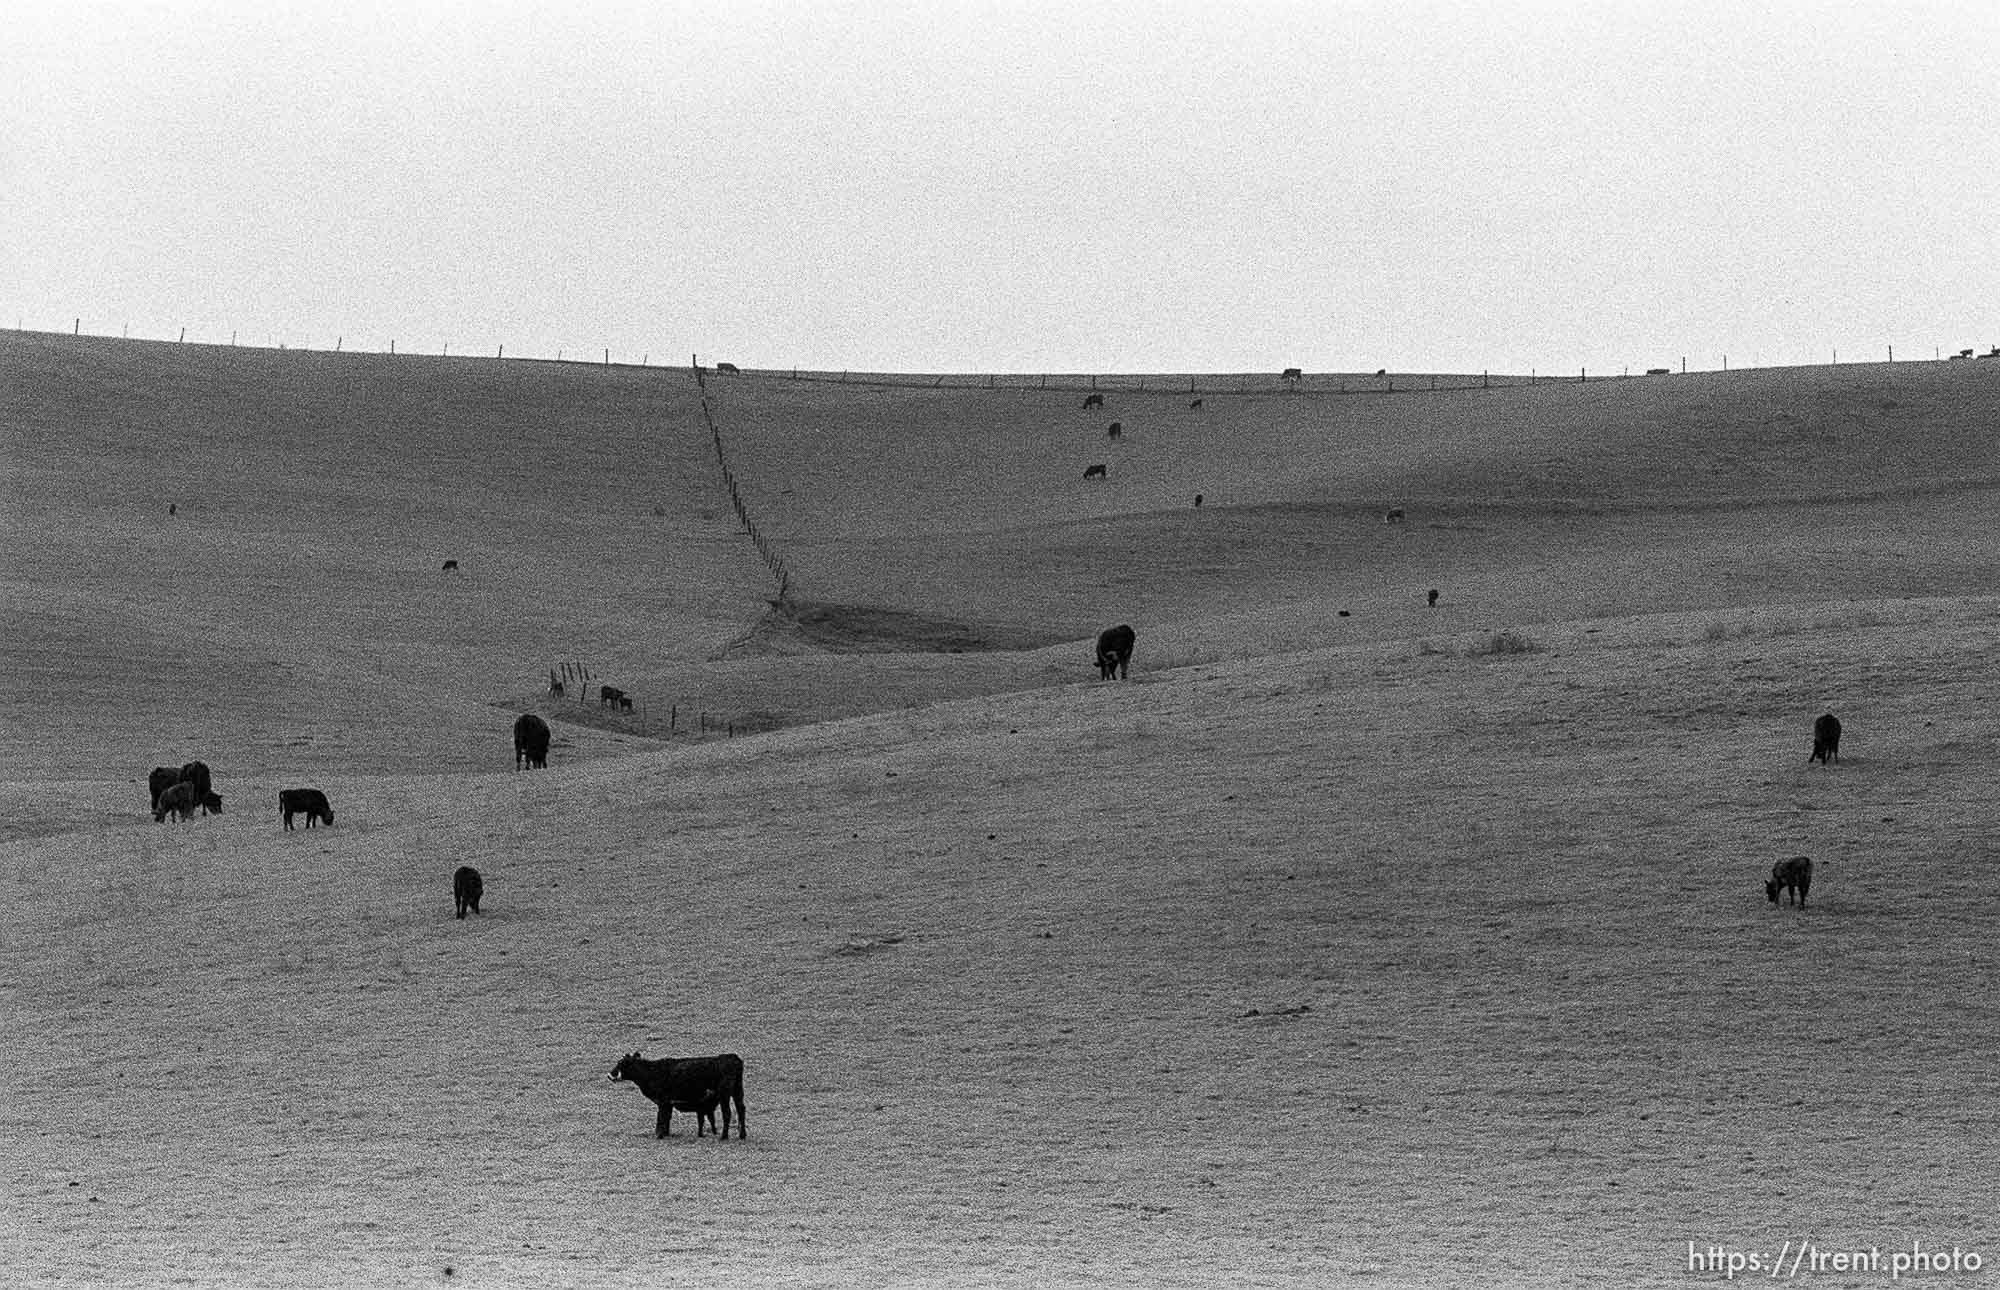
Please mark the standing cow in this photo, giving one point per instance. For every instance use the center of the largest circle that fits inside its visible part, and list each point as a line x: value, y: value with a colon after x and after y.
x: 310, y: 801
x: 466, y: 889
x: 1793, y: 875
x: 697, y: 1084
x: 531, y: 742
x: 1826, y: 740
x: 162, y: 779
x: 1114, y: 652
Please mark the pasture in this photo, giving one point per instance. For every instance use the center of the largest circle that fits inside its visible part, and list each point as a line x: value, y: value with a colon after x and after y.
x: 1420, y: 946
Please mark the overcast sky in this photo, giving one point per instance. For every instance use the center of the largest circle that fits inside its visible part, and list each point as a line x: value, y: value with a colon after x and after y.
x: 1194, y: 185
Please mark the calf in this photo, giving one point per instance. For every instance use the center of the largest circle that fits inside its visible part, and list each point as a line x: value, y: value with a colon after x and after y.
x: 697, y: 1084
x: 1114, y: 652
x: 179, y: 799
x: 1826, y: 740
x: 466, y: 889
x: 1093, y: 401
x: 292, y: 801
x: 1793, y: 875
x: 1434, y: 597
x: 1116, y: 430
x: 450, y: 566
x: 1094, y: 472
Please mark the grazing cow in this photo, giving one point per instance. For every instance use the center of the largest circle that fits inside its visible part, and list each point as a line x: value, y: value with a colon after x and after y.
x: 211, y: 804
x: 196, y: 773
x: 1194, y: 405
x: 1381, y: 371
x: 450, y: 566
x: 610, y: 694
x: 162, y: 779
x: 1292, y: 374
x: 725, y: 367
x: 1394, y: 515
x: 309, y: 801
x: 531, y: 742
x: 1114, y: 652
x: 1094, y: 472
x: 697, y: 1084
x: 1094, y: 401
x: 1826, y: 740
x: 466, y: 889
x: 180, y: 799
x: 1434, y: 597
x: 1793, y: 875
x: 1117, y: 430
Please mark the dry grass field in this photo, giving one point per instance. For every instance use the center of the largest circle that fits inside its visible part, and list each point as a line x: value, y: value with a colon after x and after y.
x: 1351, y: 942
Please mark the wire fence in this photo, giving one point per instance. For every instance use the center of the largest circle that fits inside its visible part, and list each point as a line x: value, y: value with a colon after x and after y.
x: 570, y: 684
x: 765, y: 550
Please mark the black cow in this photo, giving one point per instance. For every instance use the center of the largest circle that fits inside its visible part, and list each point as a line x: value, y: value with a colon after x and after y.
x: 531, y: 742
x: 1394, y: 515
x: 1197, y: 501
x: 1826, y: 740
x: 196, y: 773
x: 179, y: 799
x: 697, y: 1084
x: 1291, y: 374
x: 1094, y: 472
x: 162, y: 779
x: 310, y: 801
x: 1434, y: 597
x: 211, y: 804
x: 1794, y: 875
x: 450, y: 566
x: 1194, y: 405
x: 1116, y: 430
x: 624, y: 703
x: 1094, y: 401
x: 466, y: 889
x: 1114, y: 652
x: 610, y: 694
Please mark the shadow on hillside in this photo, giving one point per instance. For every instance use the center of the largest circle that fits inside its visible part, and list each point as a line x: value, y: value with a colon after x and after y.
x: 814, y: 627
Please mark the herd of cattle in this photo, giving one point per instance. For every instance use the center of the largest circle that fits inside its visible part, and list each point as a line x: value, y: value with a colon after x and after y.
x: 701, y: 1085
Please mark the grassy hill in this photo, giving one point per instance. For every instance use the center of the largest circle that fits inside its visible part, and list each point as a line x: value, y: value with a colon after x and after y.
x: 1366, y: 948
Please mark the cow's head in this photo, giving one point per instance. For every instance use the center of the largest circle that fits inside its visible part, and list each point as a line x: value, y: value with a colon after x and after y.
x: 1772, y: 888
x: 624, y: 1068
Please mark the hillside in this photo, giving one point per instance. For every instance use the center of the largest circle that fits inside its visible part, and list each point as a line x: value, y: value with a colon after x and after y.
x: 1412, y: 947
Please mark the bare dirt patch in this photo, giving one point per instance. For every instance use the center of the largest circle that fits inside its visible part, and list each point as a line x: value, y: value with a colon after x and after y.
x: 813, y: 627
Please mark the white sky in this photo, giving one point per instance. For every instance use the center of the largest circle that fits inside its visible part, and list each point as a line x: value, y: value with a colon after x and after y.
x: 1193, y: 185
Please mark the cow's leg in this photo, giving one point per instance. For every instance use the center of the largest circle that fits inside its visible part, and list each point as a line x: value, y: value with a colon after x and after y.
x: 663, y: 1123
x: 742, y: 1120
